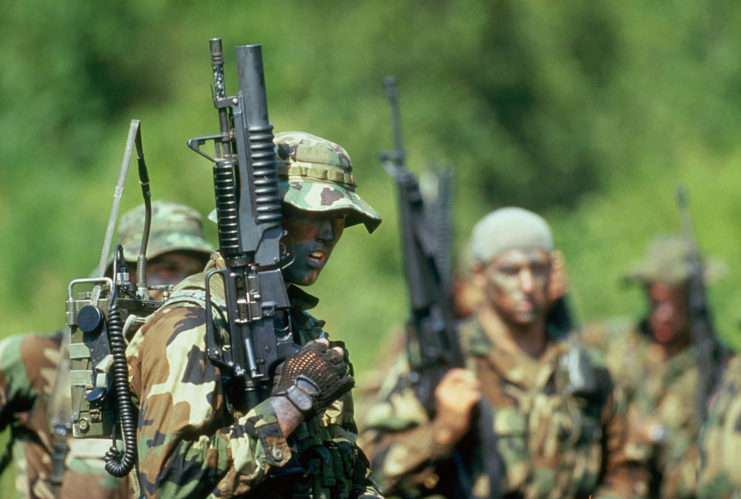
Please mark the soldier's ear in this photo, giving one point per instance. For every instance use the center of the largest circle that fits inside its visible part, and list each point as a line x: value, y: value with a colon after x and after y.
x: 477, y: 274
x: 558, y: 283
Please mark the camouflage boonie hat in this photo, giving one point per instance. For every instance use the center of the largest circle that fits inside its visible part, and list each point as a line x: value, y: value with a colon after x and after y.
x: 175, y: 227
x: 316, y: 175
x: 667, y: 260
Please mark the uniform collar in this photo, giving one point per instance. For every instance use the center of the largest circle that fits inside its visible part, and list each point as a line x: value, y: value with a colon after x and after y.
x: 517, y: 367
x: 301, y: 299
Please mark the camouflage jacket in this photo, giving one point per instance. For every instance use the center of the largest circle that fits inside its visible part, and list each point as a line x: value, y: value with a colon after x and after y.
x: 28, y: 367
x: 662, y: 414
x: 720, y: 442
x: 189, y: 445
x: 552, y: 438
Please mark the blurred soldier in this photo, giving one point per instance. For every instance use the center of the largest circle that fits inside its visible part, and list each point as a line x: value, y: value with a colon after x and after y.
x: 299, y: 442
x: 720, y: 443
x: 29, y: 367
x: 556, y: 428
x: 655, y: 364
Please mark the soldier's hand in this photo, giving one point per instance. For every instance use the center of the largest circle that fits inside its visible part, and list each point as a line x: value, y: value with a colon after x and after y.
x: 312, y: 378
x: 455, y: 396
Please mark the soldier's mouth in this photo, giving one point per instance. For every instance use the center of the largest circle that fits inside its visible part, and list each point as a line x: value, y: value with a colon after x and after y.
x: 317, y: 257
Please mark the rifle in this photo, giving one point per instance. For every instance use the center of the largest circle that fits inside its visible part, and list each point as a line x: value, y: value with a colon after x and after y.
x: 432, y: 336
x: 248, y: 207
x: 433, y: 347
x: 439, y: 215
x: 710, y: 352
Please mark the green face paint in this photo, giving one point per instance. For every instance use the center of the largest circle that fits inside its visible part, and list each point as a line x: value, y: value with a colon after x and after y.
x: 516, y: 284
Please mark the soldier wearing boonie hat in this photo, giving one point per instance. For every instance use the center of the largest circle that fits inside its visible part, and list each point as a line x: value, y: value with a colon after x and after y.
x: 557, y: 430
x: 281, y: 447
x: 30, y: 367
x: 176, y: 247
x: 174, y: 227
x: 654, y: 359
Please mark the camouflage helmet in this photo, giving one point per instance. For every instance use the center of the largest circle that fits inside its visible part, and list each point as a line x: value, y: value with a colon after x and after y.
x: 175, y: 227
x: 316, y: 175
x: 667, y: 260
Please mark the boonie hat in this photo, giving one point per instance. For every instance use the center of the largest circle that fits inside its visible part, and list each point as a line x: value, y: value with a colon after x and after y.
x: 315, y: 174
x: 667, y: 260
x: 175, y: 227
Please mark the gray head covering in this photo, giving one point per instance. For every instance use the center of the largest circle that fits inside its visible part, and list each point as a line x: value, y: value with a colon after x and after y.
x: 509, y: 228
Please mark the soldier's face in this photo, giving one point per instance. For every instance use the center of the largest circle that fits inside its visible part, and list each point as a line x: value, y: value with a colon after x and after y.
x: 169, y: 268
x: 515, y: 284
x: 313, y: 236
x: 173, y: 267
x: 669, y: 315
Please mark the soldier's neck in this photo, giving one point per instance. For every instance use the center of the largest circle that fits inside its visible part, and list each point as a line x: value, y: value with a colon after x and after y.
x: 530, y: 339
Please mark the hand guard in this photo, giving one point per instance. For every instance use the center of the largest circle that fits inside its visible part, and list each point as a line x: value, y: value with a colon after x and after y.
x: 312, y: 378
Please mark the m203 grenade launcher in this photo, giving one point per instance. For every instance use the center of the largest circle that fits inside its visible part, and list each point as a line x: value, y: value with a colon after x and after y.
x: 248, y: 207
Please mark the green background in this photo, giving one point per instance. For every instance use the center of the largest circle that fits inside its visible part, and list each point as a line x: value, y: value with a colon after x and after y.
x: 591, y: 113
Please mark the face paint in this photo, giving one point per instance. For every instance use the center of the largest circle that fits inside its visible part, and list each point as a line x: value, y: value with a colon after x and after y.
x: 313, y: 236
x: 171, y: 268
x: 516, y: 284
x: 668, y: 317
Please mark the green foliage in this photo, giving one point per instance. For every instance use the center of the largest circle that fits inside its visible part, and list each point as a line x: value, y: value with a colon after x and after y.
x: 591, y: 113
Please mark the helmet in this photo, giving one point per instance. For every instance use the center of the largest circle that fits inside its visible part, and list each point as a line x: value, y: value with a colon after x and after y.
x: 315, y: 174
x: 175, y: 227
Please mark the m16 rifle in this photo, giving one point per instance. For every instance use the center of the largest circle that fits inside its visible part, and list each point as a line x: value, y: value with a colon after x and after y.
x: 433, y: 347
x: 248, y: 207
x: 97, y: 321
x: 711, y: 353
x: 437, y: 194
x: 432, y: 336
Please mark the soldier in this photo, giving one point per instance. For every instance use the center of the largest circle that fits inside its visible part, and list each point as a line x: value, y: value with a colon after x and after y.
x: 655, y: 364
x: 720, y: 443
x: 29, y: 365
x: 190, y: 442
x: 530, y: 416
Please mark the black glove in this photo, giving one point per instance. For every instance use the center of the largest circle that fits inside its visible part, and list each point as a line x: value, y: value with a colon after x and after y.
x: 312, y: 378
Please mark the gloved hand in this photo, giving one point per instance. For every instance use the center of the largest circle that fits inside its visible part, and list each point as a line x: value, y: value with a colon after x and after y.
x: 312, y: 378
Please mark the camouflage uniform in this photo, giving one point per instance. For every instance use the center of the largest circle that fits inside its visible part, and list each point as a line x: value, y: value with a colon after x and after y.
x: 29, y: 366
x: 661, y: 389
x: 549, y: 444
x: 189, y: 442
x: 548, y: 425
x: 720, y: 443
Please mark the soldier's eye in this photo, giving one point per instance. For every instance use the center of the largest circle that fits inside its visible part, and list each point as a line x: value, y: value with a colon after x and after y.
x: 508, y: 270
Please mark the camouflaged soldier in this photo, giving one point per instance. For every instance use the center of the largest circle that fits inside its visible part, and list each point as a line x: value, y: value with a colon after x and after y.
x: 190, y: 443
x: 655, y: 364
x: 556, y: 428
x: 30, y: 364
x: 720, y: 443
